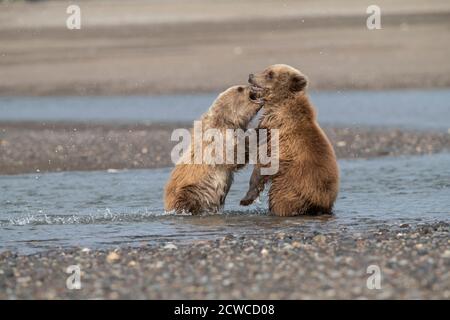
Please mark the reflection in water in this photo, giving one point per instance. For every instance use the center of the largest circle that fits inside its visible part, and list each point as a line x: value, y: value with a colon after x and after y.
x: 101, y: 209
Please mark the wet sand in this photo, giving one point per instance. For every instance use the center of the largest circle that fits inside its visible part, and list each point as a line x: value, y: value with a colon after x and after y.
x: 31, y: 147
x: 137, y: 47
x: 414, y: 262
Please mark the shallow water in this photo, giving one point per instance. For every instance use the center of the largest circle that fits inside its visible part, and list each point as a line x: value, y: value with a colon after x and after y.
x: 404, y: 108
x: 106, y: 209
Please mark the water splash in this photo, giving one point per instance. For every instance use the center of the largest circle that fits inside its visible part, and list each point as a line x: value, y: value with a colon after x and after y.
x: 98, y: 209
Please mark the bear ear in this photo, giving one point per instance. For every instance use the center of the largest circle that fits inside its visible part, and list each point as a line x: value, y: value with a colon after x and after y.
x: 298, y: 83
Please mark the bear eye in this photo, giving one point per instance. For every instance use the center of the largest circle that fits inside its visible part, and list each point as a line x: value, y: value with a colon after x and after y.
x: 240, y: 89
x: 270, y: 75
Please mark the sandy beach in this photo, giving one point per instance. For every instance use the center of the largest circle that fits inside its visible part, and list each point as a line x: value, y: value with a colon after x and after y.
x: 140, y: 47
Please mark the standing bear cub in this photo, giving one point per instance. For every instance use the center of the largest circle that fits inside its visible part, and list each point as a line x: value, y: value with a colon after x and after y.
x: 202, y: 187
x: 307, y: 181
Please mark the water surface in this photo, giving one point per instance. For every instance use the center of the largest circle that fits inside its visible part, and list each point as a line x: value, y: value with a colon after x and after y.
x: 403, y: 108
x: 104, y: 209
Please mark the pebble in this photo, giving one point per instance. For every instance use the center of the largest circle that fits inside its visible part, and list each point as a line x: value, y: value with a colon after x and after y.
x: 404, y: 263
x: 320, y: 239
x: 113, y: 296
x: 112, y: 257
x: 296, y: 244
x: 229, y: 237
x: 170, y: 246
x: 132, y: 263
x: 23, y: 280
x: 281, y: 235
x: 446, y: 254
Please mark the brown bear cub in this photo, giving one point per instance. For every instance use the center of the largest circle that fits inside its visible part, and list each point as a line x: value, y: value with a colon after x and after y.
x: 307, y: 181
x: 202, y: 186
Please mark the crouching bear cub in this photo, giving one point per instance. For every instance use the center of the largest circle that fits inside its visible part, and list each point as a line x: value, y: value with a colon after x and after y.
x: 307, y: 181
x: 202, y: 187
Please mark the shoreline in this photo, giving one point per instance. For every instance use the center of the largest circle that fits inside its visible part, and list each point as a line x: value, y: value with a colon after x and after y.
x: 27, y: 147
x: 414, y: 261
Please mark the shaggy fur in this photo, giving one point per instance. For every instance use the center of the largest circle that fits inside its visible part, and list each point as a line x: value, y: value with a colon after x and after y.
x: 198, y: 188
x: 308, y: 178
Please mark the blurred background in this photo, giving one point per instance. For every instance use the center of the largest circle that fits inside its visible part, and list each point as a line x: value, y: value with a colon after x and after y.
x: 175, y: 46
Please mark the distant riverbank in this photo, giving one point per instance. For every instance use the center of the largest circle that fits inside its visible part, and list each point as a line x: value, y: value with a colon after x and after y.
x: 139, y: 47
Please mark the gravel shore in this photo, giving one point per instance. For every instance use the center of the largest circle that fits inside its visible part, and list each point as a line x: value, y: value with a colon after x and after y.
x: 31, y: 147
x: 414, y: 262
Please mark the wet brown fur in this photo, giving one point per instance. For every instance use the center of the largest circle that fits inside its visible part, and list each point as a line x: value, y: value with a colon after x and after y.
x: 198, y: 188
x: 308, y: 178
